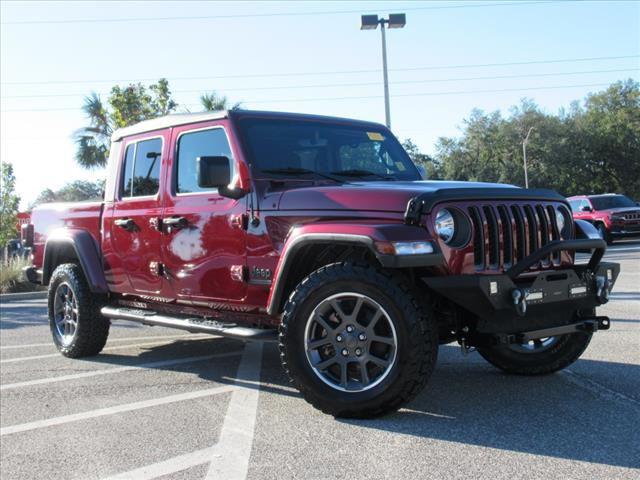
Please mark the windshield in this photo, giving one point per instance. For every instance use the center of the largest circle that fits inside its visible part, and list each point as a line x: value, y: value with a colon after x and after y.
x: 613, y: 201
x: 335, y: 151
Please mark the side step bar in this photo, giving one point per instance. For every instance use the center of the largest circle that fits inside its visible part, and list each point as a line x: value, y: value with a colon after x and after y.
x: 199, y: 325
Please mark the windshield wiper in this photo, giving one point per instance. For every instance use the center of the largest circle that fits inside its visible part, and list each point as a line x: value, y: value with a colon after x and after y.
x: 300, y: 171
x: 354, y: 172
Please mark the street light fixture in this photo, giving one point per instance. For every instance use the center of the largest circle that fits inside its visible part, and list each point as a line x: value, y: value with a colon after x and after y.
x: 524, y: 156
x: 371, y: 22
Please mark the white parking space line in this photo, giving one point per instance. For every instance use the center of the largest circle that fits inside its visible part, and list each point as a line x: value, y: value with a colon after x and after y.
x: 119, y: 347
x: 167, y: 467
x: 112, y: 340
x: 24, y: 322
x: 623, y: 249
x: 231, y: 456
x: 624, y: 296
x: 101, y: 412
x: 108, y: 371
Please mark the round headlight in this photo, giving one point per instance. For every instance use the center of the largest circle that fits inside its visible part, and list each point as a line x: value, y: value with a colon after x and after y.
x: 560, y: 220
x: 445, y: 225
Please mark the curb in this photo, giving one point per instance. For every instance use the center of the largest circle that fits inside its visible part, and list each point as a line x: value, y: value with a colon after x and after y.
x: 12, y: 297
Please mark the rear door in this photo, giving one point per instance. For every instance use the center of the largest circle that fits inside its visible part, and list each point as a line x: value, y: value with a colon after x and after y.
x: 135, y: 239
x: 204, y: 242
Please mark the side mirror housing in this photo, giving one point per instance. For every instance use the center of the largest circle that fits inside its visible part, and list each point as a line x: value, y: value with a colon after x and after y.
x: 586, y: 208
x: 215, y: 172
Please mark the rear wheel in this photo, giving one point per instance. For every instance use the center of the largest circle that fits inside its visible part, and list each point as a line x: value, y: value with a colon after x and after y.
x: 355, y: 342
x: 540, y: 356
x: 77, y: 327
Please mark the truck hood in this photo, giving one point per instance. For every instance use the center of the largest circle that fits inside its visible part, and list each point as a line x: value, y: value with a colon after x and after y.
x: 371, y: 196
x: 619, y: 211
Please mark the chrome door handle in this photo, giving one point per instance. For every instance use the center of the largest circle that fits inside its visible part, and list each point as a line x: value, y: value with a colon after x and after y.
x: 176, y: 223
x: 126, y: 223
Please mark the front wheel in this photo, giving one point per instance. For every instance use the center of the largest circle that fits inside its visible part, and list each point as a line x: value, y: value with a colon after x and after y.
x: 355, y: 342
x: 604, y: 234
x: 538, y: 357
x: 77, y: 327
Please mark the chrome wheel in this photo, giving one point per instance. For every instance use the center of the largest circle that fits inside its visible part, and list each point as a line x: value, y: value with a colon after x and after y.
x: 351, y: 343
x: 535, y: 346
x: 65, y: 314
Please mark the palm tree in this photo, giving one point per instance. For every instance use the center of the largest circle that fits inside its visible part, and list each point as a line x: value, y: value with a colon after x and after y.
x: 93, y: 140
x: 212, y: 102
x: 126, y: 106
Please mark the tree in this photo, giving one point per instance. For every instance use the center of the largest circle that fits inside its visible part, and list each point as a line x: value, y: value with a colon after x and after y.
x: 77, y: 191
x: 593, y: 147
x: 9, y: 202
x: 213, y: 102
x: 431, y: 167
x: 608, y: 138
x: 125, y: 106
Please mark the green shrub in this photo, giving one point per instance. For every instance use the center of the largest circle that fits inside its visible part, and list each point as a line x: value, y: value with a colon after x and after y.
x: 11, y: 277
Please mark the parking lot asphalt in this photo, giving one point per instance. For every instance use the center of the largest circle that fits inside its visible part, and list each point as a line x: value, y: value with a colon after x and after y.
x: 160, y: 403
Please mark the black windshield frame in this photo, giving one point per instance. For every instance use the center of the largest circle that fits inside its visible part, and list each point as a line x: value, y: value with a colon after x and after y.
x: 269, y: 141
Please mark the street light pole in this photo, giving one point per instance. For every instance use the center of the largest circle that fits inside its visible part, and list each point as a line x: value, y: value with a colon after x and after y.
x: 371, y: 22
x: 387, y: 108
x: 524, y: 156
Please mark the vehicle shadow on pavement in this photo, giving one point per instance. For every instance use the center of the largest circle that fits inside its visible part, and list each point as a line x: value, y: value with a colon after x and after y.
x: 15, y: 315
x: 229, y: 350
x: 473, y: 403
x: 469, y: 401
x: 466, y: 401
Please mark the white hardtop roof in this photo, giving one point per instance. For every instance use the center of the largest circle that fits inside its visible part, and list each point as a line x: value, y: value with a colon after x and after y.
x: 166, y: 122
x: 174, y: 120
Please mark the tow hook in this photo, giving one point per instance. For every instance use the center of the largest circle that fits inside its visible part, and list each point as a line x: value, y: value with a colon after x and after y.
x: 519, y: 296
x: 602, y: 289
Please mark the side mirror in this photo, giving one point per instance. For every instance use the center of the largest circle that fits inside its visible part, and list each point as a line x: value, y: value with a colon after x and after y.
x: 586, y: 208
x: 215, y: 172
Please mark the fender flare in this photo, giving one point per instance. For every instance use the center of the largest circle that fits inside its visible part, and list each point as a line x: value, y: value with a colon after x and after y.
x: 86, y: 251
x: 359, y: 235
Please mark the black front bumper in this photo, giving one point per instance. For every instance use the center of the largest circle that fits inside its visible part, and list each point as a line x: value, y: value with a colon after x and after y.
x: 625, y: 233
x: 518, y: 301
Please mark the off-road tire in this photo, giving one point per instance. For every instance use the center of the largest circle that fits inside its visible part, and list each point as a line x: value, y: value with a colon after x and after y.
x: 415, y: 327
x: 92, y: 328
x: 563, y: 353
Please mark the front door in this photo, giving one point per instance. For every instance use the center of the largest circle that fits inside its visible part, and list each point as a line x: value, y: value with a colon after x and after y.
x: 135, y: 240
x: 204, y: 242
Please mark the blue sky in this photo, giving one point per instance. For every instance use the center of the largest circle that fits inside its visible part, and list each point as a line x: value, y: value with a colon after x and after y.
x: 297, y: 56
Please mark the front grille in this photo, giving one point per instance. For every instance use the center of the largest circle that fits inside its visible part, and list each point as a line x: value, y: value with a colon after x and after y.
x: 505, y: 234
x: 631, y: 216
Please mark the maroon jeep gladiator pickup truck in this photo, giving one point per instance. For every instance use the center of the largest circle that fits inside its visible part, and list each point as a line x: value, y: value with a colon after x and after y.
x: 320, y: 234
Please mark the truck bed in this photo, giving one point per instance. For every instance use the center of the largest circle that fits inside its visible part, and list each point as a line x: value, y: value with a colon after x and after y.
x: 49, y: 217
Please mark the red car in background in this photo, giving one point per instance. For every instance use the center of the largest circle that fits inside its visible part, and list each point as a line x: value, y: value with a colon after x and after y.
x: 614, y: 215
